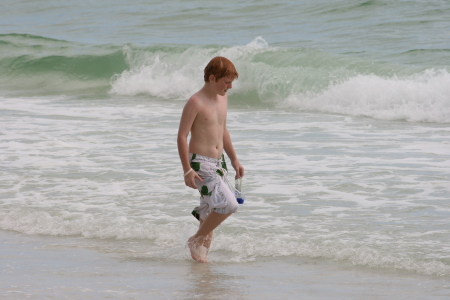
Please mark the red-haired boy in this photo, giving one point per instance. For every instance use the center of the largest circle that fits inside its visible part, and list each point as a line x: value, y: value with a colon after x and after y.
x: 204, y: 116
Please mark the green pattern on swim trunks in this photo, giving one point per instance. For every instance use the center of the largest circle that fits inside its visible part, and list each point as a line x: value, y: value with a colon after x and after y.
x: 195, y: 166
x: 195, y: 213
x: 204, y: 191
x: 220, y: 172
x: 224, y: 164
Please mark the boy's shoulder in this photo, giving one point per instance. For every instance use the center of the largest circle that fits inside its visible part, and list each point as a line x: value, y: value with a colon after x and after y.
x: 195, y: 100
x: 199, y: 99
x: 195, y: 104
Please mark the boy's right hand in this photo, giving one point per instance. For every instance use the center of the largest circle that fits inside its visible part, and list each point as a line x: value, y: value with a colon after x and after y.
x: 190, y: 178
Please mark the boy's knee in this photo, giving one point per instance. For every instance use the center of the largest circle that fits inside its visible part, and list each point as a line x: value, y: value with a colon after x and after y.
x: 231, y: 208
x: 233, y: 205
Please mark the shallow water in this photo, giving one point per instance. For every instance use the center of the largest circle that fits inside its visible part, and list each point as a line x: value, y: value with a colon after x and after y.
x: 345, y: 188
x: 61, y: 268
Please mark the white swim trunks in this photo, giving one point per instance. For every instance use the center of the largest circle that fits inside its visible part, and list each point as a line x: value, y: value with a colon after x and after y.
x: 215, y: 193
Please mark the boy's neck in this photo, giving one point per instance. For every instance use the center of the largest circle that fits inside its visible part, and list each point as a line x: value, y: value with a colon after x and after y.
x: 209, y: 91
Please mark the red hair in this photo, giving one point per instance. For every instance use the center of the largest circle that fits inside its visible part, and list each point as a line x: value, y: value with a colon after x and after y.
x: 220, y: 67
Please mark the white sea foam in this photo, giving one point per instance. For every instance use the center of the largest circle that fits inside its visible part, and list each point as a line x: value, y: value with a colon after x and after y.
x: 169, y: 240
x: 421, y: 97
x: 150, y: 73
x: 297, y: 82
x: 317, y: 185
x: 173, y: 75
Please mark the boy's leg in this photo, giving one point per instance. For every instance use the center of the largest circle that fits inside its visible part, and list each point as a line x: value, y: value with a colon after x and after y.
x: 208, y: 239
x: 212, y: 221
x: 197, y: 241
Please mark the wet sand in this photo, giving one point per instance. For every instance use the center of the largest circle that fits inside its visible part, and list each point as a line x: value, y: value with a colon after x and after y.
x: 38, y: 267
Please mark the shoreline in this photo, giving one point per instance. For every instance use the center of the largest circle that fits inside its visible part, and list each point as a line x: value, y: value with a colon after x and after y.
x: 36, y: 267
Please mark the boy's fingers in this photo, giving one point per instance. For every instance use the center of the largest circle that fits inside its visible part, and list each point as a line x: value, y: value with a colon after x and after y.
x: 199, y: 178
x: 239, y: 173
x: 192, y: 184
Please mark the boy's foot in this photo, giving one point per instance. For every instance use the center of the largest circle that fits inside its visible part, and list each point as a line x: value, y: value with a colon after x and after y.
x: 198, y: 252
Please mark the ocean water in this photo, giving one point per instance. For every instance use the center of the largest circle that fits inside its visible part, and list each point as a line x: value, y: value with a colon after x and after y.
x: 340, y: 116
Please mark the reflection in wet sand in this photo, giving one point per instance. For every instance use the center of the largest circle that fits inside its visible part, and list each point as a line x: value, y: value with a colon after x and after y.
x: 209, y: 283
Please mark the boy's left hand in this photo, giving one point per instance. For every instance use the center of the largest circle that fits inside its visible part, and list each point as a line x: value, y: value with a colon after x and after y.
x: 238, y: 168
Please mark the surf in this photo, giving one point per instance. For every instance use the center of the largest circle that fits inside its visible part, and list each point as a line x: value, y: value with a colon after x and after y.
x: 298, y: 78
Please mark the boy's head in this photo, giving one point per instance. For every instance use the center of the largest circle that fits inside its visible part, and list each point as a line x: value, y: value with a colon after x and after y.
x: 220, y: 67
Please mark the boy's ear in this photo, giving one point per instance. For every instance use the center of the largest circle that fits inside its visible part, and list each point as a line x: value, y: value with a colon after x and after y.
x: 212, y: 78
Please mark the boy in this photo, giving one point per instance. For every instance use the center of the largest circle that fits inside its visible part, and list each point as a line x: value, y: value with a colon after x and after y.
x: 204, y: 116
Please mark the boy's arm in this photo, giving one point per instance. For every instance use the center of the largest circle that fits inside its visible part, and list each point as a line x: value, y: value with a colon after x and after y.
x: 229, y: 149
x: 187, y: 119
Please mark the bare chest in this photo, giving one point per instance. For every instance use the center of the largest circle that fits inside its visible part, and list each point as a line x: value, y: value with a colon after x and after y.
x: 212, y: 116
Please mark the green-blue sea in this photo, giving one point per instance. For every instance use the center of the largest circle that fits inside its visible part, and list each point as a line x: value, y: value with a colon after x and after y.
x: 340, y: 116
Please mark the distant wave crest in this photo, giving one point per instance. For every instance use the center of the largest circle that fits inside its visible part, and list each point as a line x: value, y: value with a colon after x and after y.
x: 296, y: 78
x: 423, y: 97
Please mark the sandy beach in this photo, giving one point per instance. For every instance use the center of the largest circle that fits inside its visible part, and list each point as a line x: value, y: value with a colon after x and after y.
x: 37, y: 267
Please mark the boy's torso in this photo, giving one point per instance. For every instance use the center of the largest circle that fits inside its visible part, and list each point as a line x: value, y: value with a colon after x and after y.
x: 209, y: 126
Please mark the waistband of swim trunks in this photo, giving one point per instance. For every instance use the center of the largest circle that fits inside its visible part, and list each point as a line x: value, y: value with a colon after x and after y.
x: 204, y: 158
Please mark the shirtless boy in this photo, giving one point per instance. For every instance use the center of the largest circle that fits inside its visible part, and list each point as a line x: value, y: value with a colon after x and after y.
x: 204, y: 116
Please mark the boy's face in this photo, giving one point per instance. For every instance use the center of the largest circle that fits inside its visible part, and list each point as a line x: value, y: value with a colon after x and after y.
x: 223, y: 85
